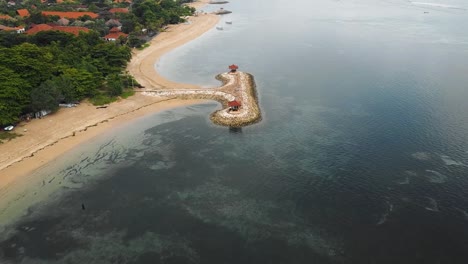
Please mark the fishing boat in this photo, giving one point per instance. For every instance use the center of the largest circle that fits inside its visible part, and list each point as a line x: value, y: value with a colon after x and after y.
x: 222, y: 11
x: 219, y: 28
x: 229, y: 22
x: 218, y: 2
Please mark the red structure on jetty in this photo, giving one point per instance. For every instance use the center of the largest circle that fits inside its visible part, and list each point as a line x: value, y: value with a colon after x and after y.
x: 233, y: 68
x: 234, y: 105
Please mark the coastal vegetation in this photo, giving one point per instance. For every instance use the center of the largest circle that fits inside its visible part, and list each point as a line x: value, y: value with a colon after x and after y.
x: 40, y: 70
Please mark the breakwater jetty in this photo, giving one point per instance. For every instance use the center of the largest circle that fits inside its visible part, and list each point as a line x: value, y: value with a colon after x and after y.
x: 237, y: 95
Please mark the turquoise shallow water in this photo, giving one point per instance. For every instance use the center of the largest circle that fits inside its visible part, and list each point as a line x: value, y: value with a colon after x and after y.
x: 361, y: 157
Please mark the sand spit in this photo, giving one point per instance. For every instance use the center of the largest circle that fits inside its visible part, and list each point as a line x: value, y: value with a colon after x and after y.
x: 238, y: 86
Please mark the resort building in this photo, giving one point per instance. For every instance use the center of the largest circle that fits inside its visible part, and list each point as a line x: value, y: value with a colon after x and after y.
x: 5, y: 17
x: 70, y: 15
x: 17, y: 29
x: 44, y: 27
x: 114, y: 34
x: 118, y: 10
x: 23, y: 12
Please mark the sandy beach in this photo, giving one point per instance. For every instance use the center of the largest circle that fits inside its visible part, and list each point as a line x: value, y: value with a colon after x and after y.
x: 43, y: 140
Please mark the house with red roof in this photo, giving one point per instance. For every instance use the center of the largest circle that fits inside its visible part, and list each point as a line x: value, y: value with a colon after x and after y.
x: 233, y: 68
x: 5, y: 17
x: 17, y: 29
x: 44, y: 27
x: 118, y: 10
x: 69, y: 15
x: 23, y: 12
x: 234, y: 105
x: 74, y: 30
x: 114, y: 34
x: 38, y: 28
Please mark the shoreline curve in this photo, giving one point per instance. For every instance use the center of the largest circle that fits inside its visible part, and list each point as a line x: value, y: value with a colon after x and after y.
x: 42, y: 141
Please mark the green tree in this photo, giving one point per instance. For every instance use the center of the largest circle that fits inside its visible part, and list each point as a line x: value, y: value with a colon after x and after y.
x: 115, y: 85
x: 110, y: 58
x: 32, y: 63
x: 66, y: 88
x: 45, y: 38
x: 46, y: 97
x: 13, y: 95
x: 84, y: 83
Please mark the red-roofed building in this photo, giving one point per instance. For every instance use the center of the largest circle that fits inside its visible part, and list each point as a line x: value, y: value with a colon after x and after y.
x: 38, y: 28
x: 17, y: 29
x: 233, y: 67
x: 118, y: 10
x: 74, y: 30
x: 23, y: 12
x: 44, y: 27
x: 234, y: 105
x: 114, y: 35
x: 69, y: 15
x: 5, y: 17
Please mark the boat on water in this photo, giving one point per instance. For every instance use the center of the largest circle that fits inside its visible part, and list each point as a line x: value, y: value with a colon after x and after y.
x: 219, y: 28
x: 222, y: 11
x: 229, y: 22
x: 218, y: 2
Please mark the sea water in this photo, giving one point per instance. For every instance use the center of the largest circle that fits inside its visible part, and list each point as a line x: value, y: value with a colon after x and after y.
x: 362, y: 155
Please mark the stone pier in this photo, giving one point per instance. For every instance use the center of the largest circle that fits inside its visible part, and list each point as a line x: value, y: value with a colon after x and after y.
x: 237, y: 96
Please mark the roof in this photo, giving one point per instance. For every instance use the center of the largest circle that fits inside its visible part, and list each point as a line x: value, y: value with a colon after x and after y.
x: 5, y: 28
x: 22, y: 12
x: 113, y: 22
x: 74, y: 30
x: 38, y: 28
x: 45, y: 27
x: 115, y: 35
x: 5, y: 16
x: 63, y: 21
x: 233, y: 67
x: 114, y: 29
x: 118, y: 10
x: 69, y: 14
x: 234, y: 103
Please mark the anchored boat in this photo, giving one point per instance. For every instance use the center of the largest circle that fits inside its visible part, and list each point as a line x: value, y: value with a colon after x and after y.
x: 222, y: 11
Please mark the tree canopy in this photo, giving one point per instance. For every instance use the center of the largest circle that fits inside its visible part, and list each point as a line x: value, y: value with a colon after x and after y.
x: 50, y: 67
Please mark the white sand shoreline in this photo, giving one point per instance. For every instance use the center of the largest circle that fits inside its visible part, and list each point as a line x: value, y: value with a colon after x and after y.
x: 44, y: 140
